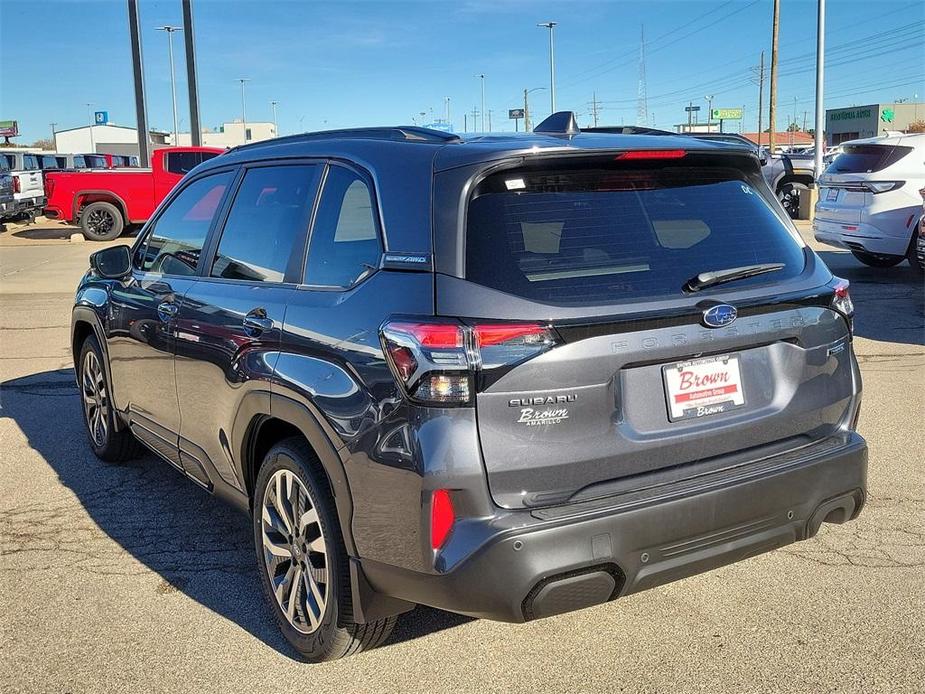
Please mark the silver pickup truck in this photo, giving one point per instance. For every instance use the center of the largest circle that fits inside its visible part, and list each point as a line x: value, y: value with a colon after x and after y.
x: 786, y: 174
x: 28, y: 182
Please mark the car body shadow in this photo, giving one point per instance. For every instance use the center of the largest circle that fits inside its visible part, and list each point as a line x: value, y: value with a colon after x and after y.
x: 192, y: 541
x: 889, y: 303
x: 40, y: 231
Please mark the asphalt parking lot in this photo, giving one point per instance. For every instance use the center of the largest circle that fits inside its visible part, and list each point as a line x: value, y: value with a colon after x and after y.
x: 128, y: 578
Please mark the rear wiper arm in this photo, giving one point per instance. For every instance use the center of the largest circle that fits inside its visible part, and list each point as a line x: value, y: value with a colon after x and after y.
x: 714, y: 277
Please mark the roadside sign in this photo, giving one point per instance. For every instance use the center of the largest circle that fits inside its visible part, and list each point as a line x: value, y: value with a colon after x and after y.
x: 689, y: 109
x: 9, y: 128
x: 515, y: 113
x: 101, y: 117
x: 726, y: 114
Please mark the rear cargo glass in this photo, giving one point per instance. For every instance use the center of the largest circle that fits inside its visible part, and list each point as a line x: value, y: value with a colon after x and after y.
x: 603, y: 235
x: 867, y: 158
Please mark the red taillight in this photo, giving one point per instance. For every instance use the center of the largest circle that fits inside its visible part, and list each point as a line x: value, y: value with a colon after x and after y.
x: 17, y: 186
x: 652, y: 154
x: 49, y: 186
x: 441, y: 517
x: 841, y: 299
x: 435, y: 361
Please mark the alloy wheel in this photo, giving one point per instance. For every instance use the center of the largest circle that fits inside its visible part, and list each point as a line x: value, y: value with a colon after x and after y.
x: 99, y: 221
x: 294, y: 551
x: 95, y: 399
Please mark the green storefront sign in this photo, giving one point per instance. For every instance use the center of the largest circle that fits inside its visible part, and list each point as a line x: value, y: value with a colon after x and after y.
x: 851, y: 114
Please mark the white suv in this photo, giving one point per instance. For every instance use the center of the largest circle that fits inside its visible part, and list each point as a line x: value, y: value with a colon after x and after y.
x: 869, y: 199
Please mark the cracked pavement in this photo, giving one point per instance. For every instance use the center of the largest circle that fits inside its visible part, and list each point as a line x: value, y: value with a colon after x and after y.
x: 128, y: 577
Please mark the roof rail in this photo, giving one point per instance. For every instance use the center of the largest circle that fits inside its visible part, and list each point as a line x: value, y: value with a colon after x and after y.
x: 559, y: 123
x: 400, y: 133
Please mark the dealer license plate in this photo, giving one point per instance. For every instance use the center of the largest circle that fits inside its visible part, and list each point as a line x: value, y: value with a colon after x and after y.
x: 701, y: 387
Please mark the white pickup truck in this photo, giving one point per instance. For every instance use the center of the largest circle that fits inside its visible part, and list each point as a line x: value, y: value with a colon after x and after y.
x: 28, y: 182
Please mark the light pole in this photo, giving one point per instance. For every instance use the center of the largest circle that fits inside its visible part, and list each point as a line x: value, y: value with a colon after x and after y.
x: 446, y: 107
x: 173, y: 79
x: 552, y: 64
x: 709, y: 99
x: 90, y: 121
x: 482, y: 78
x: 527, y: 107
x: 243, y: 81
x: 818, y: 142
x: 274, y: 104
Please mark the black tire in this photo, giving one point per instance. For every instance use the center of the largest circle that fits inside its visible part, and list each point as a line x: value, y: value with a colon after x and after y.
x: 336, y: 634
x: 916, y: 261
x: 108, y: 444
x: 789, y: 196
x: 877, y: 260
x: 101, y: 221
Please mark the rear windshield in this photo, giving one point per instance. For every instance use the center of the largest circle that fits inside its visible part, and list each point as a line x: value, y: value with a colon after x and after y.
x: 47, y: 161
x: 866, y: 158
x: 94, y: 162
x: 608, y: 235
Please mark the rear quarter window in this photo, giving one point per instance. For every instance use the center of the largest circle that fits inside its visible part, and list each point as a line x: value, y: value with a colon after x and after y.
x: 610, y: 235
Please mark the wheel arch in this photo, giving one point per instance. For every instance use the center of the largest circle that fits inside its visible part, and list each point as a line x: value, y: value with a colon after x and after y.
x: 85, y: 197
x: 85, y: 321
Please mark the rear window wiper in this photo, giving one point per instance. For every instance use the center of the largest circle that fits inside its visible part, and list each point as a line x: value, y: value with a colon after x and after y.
x: 714, y: 277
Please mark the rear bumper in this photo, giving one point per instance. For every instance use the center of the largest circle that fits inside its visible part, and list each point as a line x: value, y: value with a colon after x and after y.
x: 567, y: 558
x: 30, y: 204
x: 859, y: 237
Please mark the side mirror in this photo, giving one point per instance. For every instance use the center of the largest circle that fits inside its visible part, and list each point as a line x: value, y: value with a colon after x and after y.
x: 112, y: 263
x: 763, y: 156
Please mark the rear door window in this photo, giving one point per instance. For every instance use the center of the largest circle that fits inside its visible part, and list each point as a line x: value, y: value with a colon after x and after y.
x: 174, y: 244
x: 268, y: 220
x: 866, y: 158
x: 614, y: 234
x: 344, y: 245
x: 184, y: 162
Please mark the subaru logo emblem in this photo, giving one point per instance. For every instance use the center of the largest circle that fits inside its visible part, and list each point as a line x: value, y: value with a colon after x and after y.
x: 719, y: 316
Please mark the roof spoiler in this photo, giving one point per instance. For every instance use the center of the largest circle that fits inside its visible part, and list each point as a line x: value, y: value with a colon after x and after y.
x: 559, y: 123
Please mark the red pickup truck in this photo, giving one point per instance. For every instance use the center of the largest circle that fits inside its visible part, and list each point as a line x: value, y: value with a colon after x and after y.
x: 103, y: 202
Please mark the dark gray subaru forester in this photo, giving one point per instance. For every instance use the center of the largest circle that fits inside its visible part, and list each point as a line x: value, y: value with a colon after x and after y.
x: 506, y: 376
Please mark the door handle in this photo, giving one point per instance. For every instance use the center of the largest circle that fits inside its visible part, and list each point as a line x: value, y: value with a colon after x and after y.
x: 257, y: 322
x: 166, y: 310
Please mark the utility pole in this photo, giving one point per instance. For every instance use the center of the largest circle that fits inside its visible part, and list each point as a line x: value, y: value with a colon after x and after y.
x: 594, y: 108
x: 709, y: 99
x: 173, y: 79
x: 793, y: 121
x: 53, y: 133
x: 690, y: 114
x: 141, y: 109
x: 760, y: 96
x: 772, y: 109
x: 465, y: 122
x: 642, y: 102
x: 552, y: 63
x: 446, y: 108
x: 526, y: 112
x: 475, y: 118
x: 274, y: 104
x: 90, y: 121
x: 804, y: 121
x: 490, y: 111
x: 243, y: 81
x: 192, y: 84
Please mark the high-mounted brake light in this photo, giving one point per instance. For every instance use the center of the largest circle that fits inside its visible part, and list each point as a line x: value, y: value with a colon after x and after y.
x: 442, y: 517
x: 652, y: 154
x: 436, y: 361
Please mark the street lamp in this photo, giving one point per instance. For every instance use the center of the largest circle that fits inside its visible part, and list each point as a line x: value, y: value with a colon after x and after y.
x: 275, y: 122
x: 173, y: 80
x: 243, y: 81
x: 527, y: 107
x: 709, y: 99
x: 552, y: 64
x: 482, y: 78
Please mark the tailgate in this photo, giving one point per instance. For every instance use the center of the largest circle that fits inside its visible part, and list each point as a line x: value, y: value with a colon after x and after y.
x: 592, y: 417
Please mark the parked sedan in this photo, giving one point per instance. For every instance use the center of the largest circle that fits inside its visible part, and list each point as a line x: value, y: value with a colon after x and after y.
x: 869, y: 200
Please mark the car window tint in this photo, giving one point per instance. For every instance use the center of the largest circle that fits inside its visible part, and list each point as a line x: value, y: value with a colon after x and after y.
x: 268, y: 217
x: 184, y: 162
x: 175, y: 243
x: 867, y: 158
x: 598, y: 236
x: 344, y: 243
x: 10, y: 161
x: 30, y: 162
x: 80, y: 162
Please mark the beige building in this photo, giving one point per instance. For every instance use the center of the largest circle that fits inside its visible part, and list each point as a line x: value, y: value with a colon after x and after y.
x: 231, y: 134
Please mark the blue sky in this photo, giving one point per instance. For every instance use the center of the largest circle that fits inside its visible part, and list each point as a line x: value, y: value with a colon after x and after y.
x: 333, y: 64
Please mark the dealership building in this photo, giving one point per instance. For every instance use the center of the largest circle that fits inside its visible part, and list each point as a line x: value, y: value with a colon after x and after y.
x: 856, y: 122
